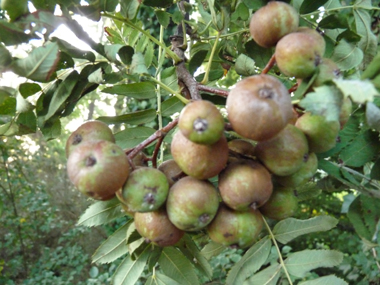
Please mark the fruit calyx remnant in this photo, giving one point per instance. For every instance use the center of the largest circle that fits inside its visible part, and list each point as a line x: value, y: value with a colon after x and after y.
x: 200, y: 125
x: 266, y: 93
x: 90, y: 161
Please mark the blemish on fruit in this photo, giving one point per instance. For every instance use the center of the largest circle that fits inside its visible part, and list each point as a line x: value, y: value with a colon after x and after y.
x: 204, y: 218
x: 77, y: 139
x: 266, y: 93
x: 305, y: 157
x: 90, y: 161
x: 149, y: 198
x: 226, y: 235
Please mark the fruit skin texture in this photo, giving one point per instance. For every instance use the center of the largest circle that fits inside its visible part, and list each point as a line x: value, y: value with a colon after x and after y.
x: 242, y: 147
x: 90, y: 130
x: 307, y: 171
x: 192, y: 203
x: 245, y: 184
x: 98, y: 169
x: 321, y: 134
x: 299, y: 54
x: 198, y: 160
x: 156, y: 228
x: 201, y: 122
x: 145, y: 190
x: 283, y: 20
x: 235, y: 228
x: 172, y: 171
x: 284, y: 154
x: 282, y: 204
x: 259, y: 107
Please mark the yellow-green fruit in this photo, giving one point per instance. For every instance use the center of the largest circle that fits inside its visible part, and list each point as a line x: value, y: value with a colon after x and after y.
x: 281, y: 205
x: 307, y: 171
x: 235, y: 228
x: 14, y: 8
x: 284, y: 154
x: 321, y: 134
x: 283, y: 20
x: 259, y: 107
x: 201, y: 122
x: 199, y: 160
x: 192, y: 203
x: 156, y: 228
x: 90, y: 130
x: 245, y: 184
x: 299, y: 54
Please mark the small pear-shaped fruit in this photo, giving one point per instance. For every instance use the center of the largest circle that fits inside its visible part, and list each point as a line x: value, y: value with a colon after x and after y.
x: 245, y: 184
x: 201, y: 122
x: 156, y: 228
x: 307, y: 171
x: 90, y: 130
x: 299, y: 54
x: 235, y: 228
x: 284, y: 154
x: 145, y: 190
x: 321, y: 134
x: 199, y: 160
x: 281, y: 205
x: 259, y: 107
x: 192, y: 203
x: 172, y: 171
x: 98, y: 169
x: 283, y: 20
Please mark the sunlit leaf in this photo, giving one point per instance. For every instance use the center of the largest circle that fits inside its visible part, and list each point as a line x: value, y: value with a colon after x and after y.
x: 40, y: 64
x: 101, y: 213
x: 288, y: 229
x: 131, y: 137
x: 267, y: 276
x: 7, y: 104
x: 138, y: 64
x: 113, y: 247
x: 5, y: 57
x: 302, y: 262
x: 140, y: 90
x: 177, y: 267
x: 27, y: 122
x: 251, y: 261
x: 73, y: 51
x: 11, y: 34
x: 27, y: 89
x: 311, y: 6
x: 360, y: 91
x: 373, y: 116
x: 129, y: 270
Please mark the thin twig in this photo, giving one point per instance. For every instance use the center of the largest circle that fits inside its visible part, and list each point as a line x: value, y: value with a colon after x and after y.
x: 269, y: 65
x: 213, y: 90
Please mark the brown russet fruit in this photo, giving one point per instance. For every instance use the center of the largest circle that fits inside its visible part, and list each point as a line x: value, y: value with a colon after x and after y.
x: 199, y: 160
x: 172, y: 171
x: 156, y: 228
x: 98, y: 168
x: 273, y: 21
x: 259, y: 107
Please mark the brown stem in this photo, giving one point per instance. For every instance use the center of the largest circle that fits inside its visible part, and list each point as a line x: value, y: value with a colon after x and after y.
x: 293, y: 88
x: 156, y: 151
x: 269, y: 65
x: 157, y: 135
x: 213, y: 90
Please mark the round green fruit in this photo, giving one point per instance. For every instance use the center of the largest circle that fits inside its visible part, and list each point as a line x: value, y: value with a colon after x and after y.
x: 235, y: 228
x: 283, y: 20
x: 299, y: 54
x: 192, y: 203
x: 98, y: 169
x: 156, y: 228
x: 285, y: 153
x: 201, y: 122
x: 245, y: 184
x: 281, y: 205
x: 199, y: 160
x: 307, y: 171
x: 90, y: 130
x: 259, y: 107
x: 321, y: 134
x: 145, y: 190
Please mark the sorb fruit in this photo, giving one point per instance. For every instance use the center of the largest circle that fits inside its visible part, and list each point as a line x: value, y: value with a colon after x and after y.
x: 321, y: 134
x: 242, y: 147
x: 172, y: 171
x: 259, y: 107
x: 145, y: 190
x: 281, y: 205
x: 273, y: 21
x: 199, y: 160
x: 201, y: 122
x: 192, y: 203
x: 235, y: 228
x: 284, y: 154
x: 98, y: 169
x: 156, y: 228
x: 299, y: 54
x: 90, y: 130
x: 245, y: 184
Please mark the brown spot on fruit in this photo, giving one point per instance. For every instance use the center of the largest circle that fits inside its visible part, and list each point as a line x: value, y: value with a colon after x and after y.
x: 77, y: 139
x: 90, y: 161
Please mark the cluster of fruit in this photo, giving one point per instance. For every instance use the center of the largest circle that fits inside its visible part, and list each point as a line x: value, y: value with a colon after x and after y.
x: 257, y: 173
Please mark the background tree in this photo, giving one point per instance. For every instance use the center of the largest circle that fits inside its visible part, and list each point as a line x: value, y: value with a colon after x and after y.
x: 153, y: 58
